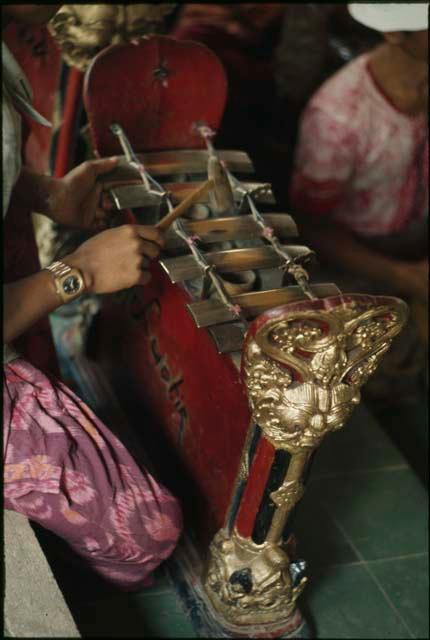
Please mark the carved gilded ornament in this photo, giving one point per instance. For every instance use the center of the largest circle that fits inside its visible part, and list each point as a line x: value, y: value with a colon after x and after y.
x: 82, y: 30
x: 304, y: 369
x: 250, y: 583
x: 303, y: 365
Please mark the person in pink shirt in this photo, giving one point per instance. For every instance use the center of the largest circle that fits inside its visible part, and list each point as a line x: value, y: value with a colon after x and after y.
x: 359, y: 186
x: 360, y: 176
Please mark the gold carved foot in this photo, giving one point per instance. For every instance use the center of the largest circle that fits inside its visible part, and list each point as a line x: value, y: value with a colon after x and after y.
x: 250, y: 584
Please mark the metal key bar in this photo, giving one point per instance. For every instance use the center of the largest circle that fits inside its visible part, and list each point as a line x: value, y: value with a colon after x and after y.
x: 262, y: 191
x: 128, y: 192
x: 133, y: 196
x: 210, y: 312
x: 227, y: 337
x: 194, y: 161
x: 185, y: 268
x: 179, y: 162
x: 232, y: 228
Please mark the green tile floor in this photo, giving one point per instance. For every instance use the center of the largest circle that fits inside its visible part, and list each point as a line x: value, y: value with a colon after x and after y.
x: 362, y: 527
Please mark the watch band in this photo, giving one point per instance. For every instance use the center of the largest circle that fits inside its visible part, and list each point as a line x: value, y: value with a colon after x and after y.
x: 59, y: 269
x: 69, y: 282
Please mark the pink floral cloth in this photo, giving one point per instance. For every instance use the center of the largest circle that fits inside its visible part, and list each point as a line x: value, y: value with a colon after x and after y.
x: 359, y: 158
x: 65, y: 470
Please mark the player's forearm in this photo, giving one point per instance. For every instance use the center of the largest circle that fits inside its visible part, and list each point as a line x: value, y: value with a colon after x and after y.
x: 338, y: 246
x: 34, y: 191
x: 26, y: 301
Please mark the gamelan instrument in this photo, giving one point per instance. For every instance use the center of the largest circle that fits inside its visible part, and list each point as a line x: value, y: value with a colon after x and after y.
x: 241, y: 362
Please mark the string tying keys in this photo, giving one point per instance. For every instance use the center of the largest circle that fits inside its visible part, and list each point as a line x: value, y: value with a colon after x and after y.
x: 204, y: 130
x: 236, y: 309
x: 268, y: 232
x: 191, y: 240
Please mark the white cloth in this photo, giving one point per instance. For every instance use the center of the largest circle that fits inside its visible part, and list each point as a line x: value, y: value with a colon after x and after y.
x: 15, y: 91
x: 390, y: 16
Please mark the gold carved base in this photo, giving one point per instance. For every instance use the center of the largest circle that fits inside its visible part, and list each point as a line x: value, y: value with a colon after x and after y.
x: 250, y: 584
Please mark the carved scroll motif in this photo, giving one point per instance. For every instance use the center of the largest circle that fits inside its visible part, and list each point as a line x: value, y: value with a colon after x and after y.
x: 304, y: 365
x: 81, y: 31
x: 304, y: 370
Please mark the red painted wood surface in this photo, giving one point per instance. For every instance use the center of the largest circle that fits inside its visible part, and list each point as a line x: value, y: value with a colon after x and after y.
x: 155, y: 90
x: 39, y: 57
x: 173, y: 367
x: 254, y: 490
x: 67, y: 135
x: 176, y: 371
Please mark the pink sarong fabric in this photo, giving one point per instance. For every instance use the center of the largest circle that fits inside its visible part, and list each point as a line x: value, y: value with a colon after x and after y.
x: 65, y: 470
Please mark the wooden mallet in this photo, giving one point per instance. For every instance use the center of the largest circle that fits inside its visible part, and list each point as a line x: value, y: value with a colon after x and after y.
x: 183, y: 206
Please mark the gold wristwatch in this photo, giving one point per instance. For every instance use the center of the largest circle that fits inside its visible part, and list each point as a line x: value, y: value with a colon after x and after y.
x: 69, y: 281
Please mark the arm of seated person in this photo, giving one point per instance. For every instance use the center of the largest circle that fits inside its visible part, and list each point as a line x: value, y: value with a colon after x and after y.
x: 26, y: 301
x: 338, y: 245
x: 110, y: 261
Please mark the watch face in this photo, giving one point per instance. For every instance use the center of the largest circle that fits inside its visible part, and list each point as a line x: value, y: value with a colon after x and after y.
x: 71, y: 285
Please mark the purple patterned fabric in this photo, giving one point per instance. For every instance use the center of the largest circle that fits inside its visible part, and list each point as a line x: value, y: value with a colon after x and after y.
x: 65, y: 470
